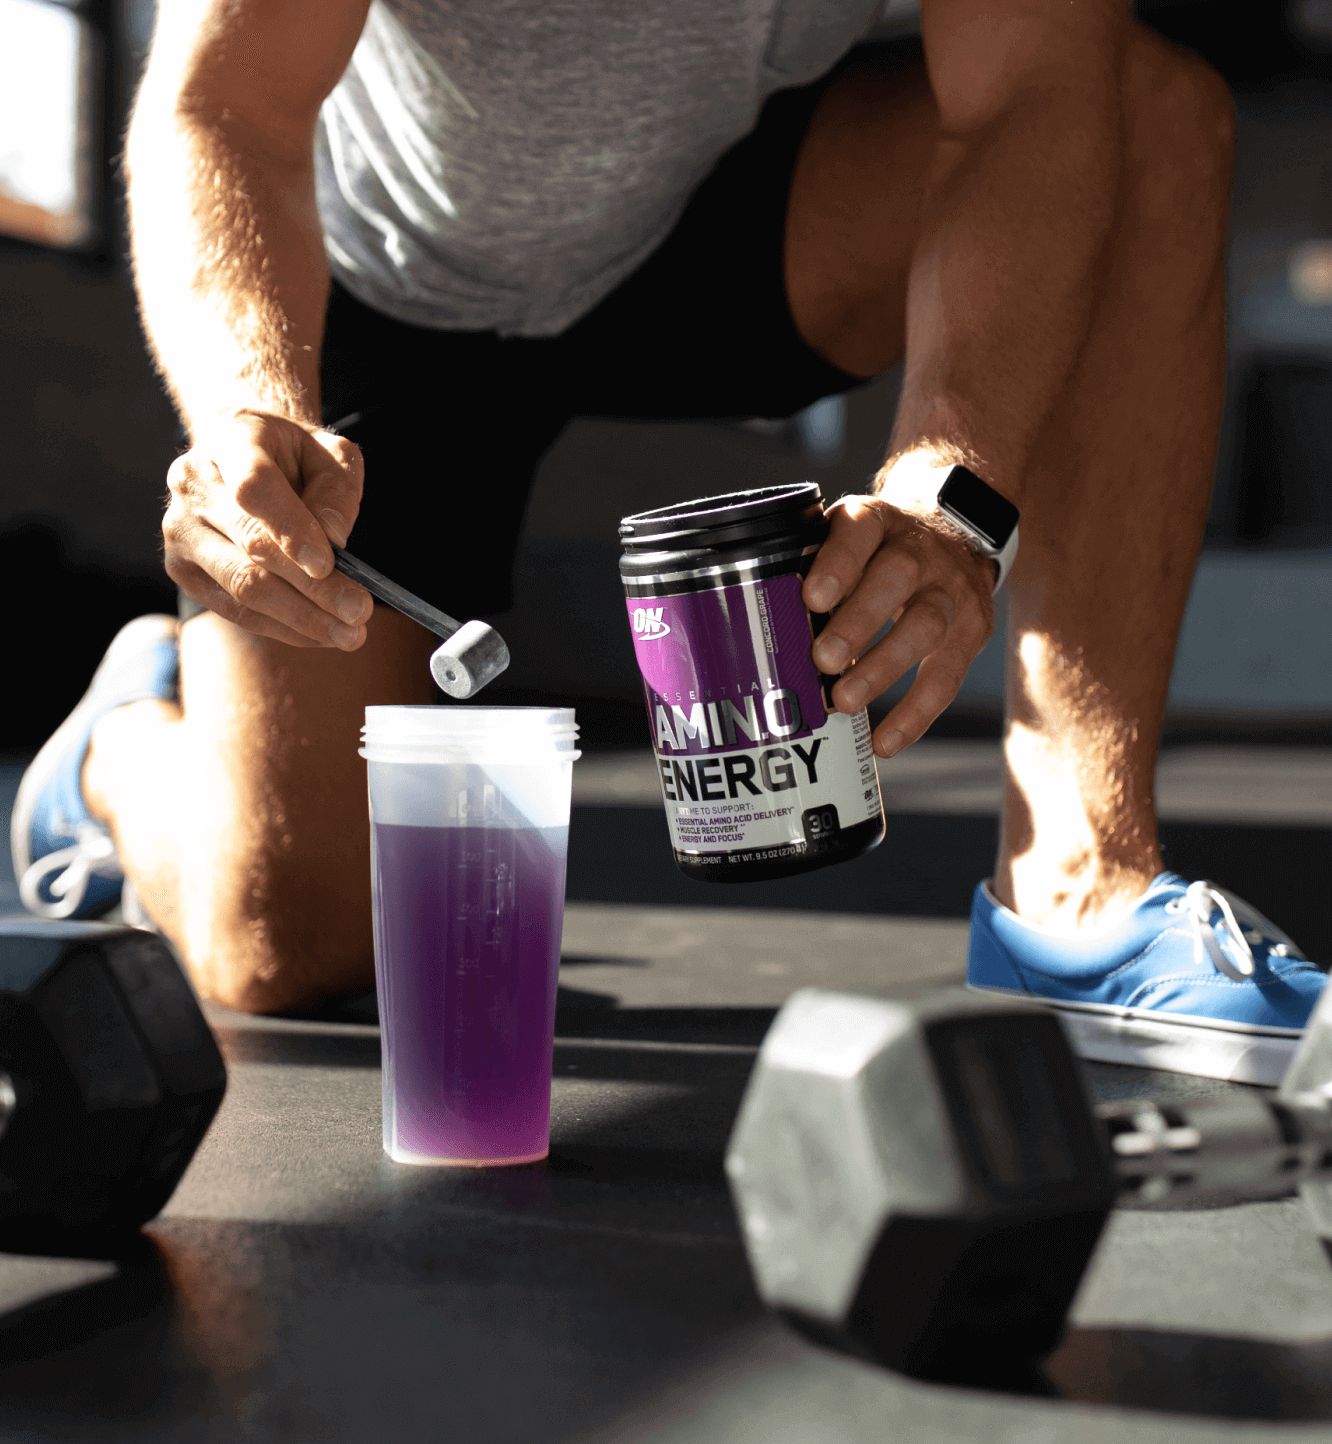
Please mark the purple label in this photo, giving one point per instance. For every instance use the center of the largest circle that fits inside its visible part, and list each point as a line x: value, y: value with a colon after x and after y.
x: 727, y: 668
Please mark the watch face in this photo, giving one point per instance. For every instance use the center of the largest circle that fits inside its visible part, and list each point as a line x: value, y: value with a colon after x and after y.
x: 969, y: 500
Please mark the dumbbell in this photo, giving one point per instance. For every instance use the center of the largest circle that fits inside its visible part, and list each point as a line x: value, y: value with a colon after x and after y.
x: 925, y: 1183
x: 109, y: 1079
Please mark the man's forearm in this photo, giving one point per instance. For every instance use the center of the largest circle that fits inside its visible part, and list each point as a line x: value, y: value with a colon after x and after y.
x: 1004, y: 281
x: 229, y: 263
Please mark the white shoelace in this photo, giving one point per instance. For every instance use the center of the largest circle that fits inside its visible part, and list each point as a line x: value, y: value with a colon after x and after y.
x: 1200, y: 902
x: 92, y: 854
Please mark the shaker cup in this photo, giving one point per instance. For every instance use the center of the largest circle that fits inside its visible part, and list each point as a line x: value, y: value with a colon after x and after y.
x: 469, y: 816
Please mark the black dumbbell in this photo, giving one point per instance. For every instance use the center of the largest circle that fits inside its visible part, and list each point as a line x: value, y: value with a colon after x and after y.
x: 924, y: 1183
x: 109, y: 1079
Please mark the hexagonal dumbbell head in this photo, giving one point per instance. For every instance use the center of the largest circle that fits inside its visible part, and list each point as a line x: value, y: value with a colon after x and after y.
x: 112, y: 1078
x: 922, y: 1183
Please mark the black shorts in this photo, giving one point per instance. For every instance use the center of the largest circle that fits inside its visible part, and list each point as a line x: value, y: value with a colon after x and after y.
x: 454, y: 423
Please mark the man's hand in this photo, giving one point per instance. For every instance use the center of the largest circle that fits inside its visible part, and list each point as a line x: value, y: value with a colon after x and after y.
x: 254, y: 504
x: 881, y: 564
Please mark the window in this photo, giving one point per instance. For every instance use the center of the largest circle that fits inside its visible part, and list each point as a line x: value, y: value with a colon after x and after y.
x: 50, y: 124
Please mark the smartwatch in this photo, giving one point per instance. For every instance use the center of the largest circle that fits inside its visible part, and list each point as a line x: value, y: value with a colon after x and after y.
x: 990, y: 520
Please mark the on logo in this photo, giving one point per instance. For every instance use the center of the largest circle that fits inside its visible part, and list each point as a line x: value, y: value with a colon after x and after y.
x: 648, y: 625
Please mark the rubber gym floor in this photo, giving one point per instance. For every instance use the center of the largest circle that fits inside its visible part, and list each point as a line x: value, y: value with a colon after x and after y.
x: 299, y: 1286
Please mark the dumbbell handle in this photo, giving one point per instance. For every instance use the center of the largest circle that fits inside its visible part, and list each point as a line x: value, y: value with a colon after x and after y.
x: 8, y: 1101
x: 1192, y: 1150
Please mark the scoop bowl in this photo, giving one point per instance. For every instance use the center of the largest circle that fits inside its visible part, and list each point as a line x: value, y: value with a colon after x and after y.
x: 471, y: 658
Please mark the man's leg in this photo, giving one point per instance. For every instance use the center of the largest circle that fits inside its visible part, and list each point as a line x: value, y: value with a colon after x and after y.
x: 1093, y: 620
x: 240, y: 815
x: 1119, y: 488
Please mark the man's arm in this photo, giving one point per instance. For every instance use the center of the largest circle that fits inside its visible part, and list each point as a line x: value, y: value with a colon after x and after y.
x: 1019, y: 207
x: 1020, y: 204
x: 233, y: 282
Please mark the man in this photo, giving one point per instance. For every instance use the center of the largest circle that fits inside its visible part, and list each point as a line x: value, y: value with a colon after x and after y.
x: 535, y: 210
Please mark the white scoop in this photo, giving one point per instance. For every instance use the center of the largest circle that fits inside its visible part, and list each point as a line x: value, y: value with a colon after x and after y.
x: 473, y: 653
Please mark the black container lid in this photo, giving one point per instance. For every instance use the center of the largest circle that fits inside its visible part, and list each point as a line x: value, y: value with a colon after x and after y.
x: 738, y: 516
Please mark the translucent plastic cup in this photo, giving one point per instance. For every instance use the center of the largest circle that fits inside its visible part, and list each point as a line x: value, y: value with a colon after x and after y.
x: 469, y: 822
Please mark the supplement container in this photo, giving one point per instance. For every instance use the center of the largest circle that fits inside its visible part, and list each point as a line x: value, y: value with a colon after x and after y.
x: 760, y: 777
x: 469, y: 821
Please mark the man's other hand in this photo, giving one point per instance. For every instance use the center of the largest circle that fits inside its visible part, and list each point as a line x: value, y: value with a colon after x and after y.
x: 254, y: 504
x: 881, y: 564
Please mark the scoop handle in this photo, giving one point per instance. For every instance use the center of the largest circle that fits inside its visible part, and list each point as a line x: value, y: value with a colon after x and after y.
x: 399, y: 598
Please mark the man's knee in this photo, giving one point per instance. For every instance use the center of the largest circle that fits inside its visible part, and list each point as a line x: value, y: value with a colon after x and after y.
x: 1181, y: 125
x: 274, y: 876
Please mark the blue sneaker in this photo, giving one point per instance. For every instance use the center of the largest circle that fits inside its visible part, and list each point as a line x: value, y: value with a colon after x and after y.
x: 64, y: 859
x: 1192, y: 980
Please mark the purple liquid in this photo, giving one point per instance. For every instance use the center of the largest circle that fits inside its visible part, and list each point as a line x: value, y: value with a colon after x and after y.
x: 467, y: 952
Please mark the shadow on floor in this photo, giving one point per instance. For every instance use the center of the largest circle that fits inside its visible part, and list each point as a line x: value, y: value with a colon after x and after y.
x: 288, y: 1332
x: 332, y: 1049
x: 596, y: 1037
x: 579, y: 1014
x: 1202, y: 1374
x: 227, y: 1330
x: 929, y: 864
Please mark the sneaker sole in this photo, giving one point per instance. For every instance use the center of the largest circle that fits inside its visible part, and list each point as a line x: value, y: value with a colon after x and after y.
x: 1237, y: 1052
x: 41, y: 767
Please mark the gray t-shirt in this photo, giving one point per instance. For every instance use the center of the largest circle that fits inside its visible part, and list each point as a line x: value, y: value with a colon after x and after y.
x: 504, y: 164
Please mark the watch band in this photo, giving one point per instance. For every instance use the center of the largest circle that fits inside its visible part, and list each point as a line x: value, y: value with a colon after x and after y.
x: 918, y: 482
x: 990, y: 519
